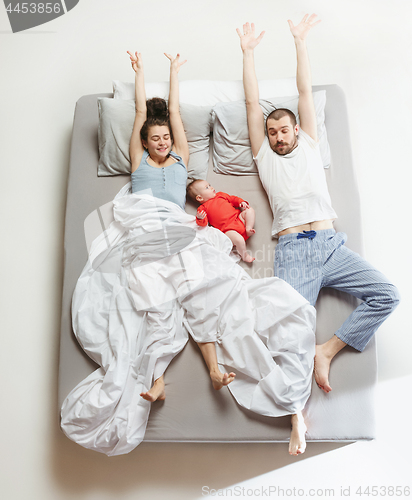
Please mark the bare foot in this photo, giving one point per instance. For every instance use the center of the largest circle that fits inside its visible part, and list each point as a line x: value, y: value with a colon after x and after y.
x: 321, y: 369
x: 297, y: 443
x: 247, y: 258
x: 250, y: 231
x: 220, y: 379
x: 156, y: 393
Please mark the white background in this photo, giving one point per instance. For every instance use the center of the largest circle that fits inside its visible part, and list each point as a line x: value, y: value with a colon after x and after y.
x: 365, y: 47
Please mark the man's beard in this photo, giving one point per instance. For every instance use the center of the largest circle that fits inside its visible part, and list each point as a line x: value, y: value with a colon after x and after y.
x: 287, y: 148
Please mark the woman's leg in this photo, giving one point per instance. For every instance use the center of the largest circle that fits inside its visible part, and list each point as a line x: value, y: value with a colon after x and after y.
x: 219, y: 379
x: 157, y: 392
x: 297, y: 443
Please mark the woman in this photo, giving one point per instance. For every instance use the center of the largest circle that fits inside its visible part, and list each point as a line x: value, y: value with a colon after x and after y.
x: 155, y: 167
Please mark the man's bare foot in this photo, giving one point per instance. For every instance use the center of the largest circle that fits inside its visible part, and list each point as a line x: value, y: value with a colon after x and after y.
x: 156, y: 393
x: 321, y: 369
x: 250, y: 231
x: 220, y: 379
x: 297, y: 443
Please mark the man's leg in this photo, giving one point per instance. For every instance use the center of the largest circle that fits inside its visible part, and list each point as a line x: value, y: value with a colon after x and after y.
x: 345, y: 270
x: 299, y: 263
x: 323, y: 358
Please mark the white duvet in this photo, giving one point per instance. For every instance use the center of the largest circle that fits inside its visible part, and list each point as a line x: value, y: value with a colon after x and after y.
x: 153, y: 276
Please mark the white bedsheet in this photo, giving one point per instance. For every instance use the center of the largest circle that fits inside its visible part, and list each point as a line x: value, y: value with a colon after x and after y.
x: 155, y: 275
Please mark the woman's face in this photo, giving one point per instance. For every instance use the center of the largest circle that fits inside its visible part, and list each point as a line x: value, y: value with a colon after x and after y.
x: 159, y: 142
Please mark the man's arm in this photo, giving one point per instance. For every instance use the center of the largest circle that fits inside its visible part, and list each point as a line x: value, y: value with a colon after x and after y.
x: 306, y: 107
x: 255, y: 119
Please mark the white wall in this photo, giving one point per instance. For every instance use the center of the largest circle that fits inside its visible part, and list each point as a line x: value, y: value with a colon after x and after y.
x: 365, y: 47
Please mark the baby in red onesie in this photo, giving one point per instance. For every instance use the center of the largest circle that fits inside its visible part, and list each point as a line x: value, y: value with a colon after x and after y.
x: 232, y: 215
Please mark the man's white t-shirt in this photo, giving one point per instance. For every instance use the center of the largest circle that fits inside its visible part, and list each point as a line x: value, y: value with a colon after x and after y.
x: 295, y: 184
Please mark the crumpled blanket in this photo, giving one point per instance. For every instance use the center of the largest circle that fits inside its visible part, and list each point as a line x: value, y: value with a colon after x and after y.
x: 155, y: 275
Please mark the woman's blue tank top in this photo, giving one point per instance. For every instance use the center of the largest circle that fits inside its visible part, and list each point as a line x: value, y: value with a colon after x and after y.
x: 167, y: 183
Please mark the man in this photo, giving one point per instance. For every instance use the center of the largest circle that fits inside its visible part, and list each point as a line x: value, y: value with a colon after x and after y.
x: 310, y: 254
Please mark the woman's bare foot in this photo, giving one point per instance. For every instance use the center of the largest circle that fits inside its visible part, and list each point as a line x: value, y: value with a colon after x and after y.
x: 250, y: 231
x: 157, y: 392
x: 220, y: 379
x: 297, y: 443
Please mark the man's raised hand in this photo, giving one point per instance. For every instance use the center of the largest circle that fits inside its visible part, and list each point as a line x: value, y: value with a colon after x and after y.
x: 248, y: 40
x: 302, y: 29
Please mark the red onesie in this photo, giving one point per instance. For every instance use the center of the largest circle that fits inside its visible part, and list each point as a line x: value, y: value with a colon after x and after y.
x: 221, y: 212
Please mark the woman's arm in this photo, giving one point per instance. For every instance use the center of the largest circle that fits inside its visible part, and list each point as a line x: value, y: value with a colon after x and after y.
x: 179, y: 137
x: 136, y: 147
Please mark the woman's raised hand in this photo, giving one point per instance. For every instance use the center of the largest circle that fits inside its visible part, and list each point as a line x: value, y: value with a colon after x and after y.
x: 136, y: 60
x: 175, y: 63
x: 302, y: 29
x: 248, y: 40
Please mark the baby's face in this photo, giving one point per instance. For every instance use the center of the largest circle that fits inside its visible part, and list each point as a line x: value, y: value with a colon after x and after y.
x: 204, y: 192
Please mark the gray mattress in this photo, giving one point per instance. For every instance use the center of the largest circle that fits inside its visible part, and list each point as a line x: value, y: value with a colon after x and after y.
x: 193, y: 411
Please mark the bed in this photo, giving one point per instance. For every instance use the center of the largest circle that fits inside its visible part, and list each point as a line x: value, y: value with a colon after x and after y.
x: 193, y: 411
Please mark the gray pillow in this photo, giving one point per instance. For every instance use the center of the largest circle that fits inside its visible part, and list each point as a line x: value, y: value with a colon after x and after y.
x: 231, y: 146
x: 116, y: 118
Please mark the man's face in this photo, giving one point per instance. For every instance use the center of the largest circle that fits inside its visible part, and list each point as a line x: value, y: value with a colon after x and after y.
x: 283, y: 136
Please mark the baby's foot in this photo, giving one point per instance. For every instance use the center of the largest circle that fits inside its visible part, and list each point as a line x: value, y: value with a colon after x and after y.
x: 247, y: 258
x: 156, y: 393
x: 220, y: 379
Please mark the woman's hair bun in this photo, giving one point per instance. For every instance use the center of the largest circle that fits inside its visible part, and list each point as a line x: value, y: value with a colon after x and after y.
x: 157, y: 108
x: 157, y: 114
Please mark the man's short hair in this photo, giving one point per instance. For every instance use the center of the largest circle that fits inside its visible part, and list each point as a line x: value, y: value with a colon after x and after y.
x: 191, y: 188
x: 277, y: 114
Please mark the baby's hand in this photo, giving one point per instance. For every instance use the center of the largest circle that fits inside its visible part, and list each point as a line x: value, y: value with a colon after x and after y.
x: 244, y: 205
x: 201, y: 214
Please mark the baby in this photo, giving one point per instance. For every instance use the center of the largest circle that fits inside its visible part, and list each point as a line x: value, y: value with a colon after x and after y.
x: 232, y: 215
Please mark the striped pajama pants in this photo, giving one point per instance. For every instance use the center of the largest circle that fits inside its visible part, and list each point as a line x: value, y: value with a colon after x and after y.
x: 322, y: 260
